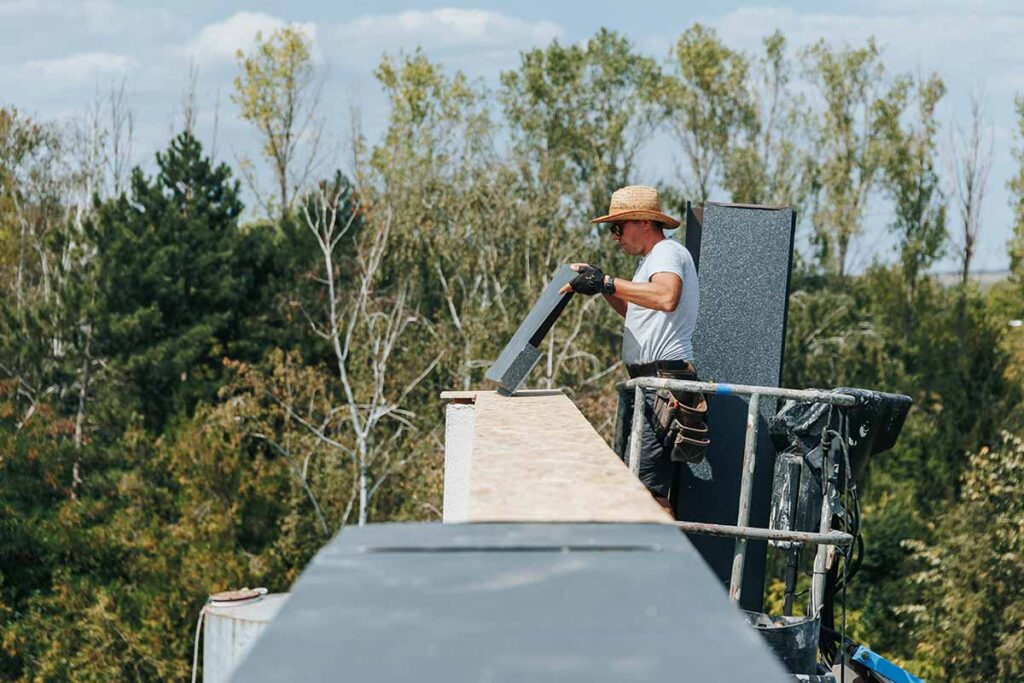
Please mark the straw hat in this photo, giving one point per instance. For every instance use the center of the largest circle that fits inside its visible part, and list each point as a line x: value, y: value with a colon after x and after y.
x: 636, y: 203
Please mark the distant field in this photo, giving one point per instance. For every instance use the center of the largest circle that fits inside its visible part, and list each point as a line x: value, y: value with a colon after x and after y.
x: 984, y: 278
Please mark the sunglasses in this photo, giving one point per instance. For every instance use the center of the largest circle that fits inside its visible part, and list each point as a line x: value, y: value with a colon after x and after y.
x: 616, y: 229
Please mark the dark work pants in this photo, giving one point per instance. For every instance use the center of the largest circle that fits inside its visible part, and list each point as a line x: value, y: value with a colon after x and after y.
x: 656, y: 466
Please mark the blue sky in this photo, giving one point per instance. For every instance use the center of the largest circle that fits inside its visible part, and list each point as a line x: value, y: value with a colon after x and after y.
x: 56, y: 55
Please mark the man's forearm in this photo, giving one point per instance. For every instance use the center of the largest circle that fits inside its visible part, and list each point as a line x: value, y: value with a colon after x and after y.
x: 652, y: 295
x: 617, y: 304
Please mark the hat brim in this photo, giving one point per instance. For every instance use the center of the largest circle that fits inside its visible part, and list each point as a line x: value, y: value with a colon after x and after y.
x: 638, y: 215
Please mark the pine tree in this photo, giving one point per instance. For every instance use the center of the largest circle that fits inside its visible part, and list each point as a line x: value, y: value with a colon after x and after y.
x: 169, y: 291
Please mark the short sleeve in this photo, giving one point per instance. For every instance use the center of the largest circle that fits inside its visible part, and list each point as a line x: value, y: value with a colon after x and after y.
x: 666, y: 259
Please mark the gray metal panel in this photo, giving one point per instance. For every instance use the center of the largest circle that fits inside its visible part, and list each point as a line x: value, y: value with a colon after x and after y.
x: 744, y: 254
x: 521, y: 353
x: 509, y: 602
x: 745, y: 260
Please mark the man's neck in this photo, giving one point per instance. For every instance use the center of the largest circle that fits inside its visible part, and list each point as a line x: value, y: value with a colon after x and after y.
x: 657, y: 236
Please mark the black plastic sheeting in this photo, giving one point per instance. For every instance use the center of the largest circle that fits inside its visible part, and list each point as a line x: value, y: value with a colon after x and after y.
x: 873, y: 425
x: 509, y: 602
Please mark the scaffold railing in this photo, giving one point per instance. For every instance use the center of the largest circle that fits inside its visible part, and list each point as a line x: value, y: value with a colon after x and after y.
x: 741, y: 531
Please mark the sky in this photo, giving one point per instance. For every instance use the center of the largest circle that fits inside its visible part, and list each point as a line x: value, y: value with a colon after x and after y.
x: 58, y: 56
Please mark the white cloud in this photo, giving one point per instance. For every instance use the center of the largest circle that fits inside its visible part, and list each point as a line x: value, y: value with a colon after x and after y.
x: 927, y: 6
x: 98, y: 8
x: 76, y: 9
x: 19, y: 8
x: 448, y: 26
x: 493, y: 38
x: 943, y: 40
x: 79, y: 67
x: 220, y: 41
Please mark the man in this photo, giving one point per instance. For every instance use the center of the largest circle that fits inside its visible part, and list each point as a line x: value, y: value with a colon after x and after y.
x: 659, y: 305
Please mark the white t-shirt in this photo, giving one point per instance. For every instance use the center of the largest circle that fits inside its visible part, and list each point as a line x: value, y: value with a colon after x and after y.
x: 652, y: 335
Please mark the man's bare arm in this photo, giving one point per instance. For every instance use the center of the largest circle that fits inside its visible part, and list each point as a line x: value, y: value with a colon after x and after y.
x: 617, y: 304
x: 661, y: 293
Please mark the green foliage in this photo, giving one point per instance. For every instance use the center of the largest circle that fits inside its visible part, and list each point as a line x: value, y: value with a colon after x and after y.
x: 849, y: 140
x: 919, y: 210
x: 765, y: 161
x: 275, y: 93
x: 167, y: 266
x: 32, y: 204
x: 971, y: 607
x: 580, y: 113
x: 1016, y: 187
x: 708, y: 105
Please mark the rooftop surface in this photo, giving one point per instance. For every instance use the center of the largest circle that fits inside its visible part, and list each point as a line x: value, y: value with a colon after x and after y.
x: 509, y: 602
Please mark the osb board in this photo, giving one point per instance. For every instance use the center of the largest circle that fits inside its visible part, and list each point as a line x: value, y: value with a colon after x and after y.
x: 537, y: 459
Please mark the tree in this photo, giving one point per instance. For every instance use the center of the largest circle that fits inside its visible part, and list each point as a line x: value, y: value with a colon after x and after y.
x: 277, y: 92
x: 1016, y: 187
x: 972, y: 161
x: 32, y: 208
x: 849, y: 137
x: 972, y: 577
x: 360, y: 321
x: 765, y: 163
x: 707, y: 105
x: 170, y: 291
x: 583, y: 112
x: 919, y: 221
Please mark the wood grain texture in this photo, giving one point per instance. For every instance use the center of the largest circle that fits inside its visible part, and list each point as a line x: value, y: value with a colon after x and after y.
x: 537, y: 459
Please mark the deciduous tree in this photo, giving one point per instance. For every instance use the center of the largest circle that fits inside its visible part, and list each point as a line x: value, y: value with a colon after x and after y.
x: 708, y: 105
x: 277, y: 92
x: 854, y: 111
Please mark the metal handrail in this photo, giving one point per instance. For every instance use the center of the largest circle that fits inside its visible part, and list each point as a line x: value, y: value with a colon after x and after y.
x: 741, y: 531
x: 758, y: 534
x: 802, y: 395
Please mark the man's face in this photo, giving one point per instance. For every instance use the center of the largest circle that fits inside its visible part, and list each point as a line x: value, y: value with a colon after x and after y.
x: 630, y: 236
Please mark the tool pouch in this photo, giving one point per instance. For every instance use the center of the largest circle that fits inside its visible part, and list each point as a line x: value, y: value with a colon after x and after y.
x: 665, y: 406
x: 679, y: 421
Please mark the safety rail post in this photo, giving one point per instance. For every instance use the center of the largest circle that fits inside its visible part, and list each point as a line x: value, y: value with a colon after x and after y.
x: 636, y: 429
x: 821, y: 557
x: 746, y: 485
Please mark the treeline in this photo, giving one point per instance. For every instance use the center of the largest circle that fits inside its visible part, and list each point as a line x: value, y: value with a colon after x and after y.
x: 195, y: 398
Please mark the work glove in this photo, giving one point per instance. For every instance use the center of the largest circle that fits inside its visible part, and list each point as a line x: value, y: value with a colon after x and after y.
x: 589, y: 281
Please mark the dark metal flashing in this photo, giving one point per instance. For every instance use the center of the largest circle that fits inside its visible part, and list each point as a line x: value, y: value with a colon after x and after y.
x: 523, y: 350
x: 509, y: 602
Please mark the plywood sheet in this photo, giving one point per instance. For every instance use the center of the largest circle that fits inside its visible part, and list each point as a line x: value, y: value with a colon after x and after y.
x: 537, y: 459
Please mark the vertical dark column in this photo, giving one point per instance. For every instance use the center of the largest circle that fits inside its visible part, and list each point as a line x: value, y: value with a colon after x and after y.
x: 744, y: 256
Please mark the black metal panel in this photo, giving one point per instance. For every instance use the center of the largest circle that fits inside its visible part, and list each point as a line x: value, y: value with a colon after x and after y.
x: 744, y: 254
x: 509, y: 602
x: 521, y: 353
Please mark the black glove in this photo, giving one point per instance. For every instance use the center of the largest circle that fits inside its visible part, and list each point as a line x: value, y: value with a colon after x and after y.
x: 591, y: 281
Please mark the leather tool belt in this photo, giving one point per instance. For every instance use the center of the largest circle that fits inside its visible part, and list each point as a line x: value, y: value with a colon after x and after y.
x: 680, y: 367
x: 679, y: 416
